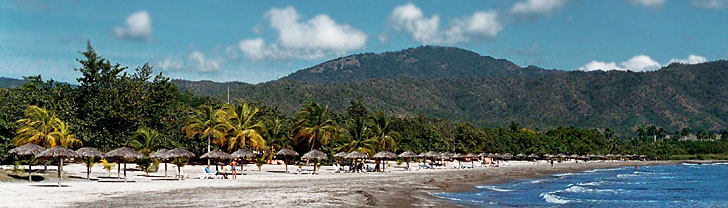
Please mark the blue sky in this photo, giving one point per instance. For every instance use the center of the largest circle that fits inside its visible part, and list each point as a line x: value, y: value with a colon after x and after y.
x: 258, y: 41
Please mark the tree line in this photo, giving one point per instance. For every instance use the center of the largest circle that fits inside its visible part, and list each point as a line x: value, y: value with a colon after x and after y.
x: 114, y: 106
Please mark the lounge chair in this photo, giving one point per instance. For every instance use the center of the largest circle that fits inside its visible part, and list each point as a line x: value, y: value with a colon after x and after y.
x: 208, y: 174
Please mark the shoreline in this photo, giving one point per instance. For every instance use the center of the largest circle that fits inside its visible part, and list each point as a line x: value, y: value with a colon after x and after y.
x: 266, y: 189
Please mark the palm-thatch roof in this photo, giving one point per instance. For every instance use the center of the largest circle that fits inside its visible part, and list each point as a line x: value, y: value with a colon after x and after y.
x: 124, y: 153
x: 286, y: 153
x: 357, y: 155
x: 340, y: 154
x: 179, y: 153
x: 458, y: 155
x: 421, y: 155
x: 384, y: 155
x: 432, y: 154
x: 314, y: 154
x: 408, y: 154
x: 90, y: 152
x: 482, y: 154
x: 507, y: 156
x: 160, y: 154
x: 57, y: 152
x: 217, y: 155
x: 533, y: 156
x: 471, y: 155
x: 243, y: 154
x: 575, y: 156
x: 521, y: 155
x: 27, y: 149
x: 445, y: 155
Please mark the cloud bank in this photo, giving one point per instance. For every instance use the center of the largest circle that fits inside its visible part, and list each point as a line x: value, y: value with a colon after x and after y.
x: 639, y: 63
x: 481, y: 25
x: 138, y: 27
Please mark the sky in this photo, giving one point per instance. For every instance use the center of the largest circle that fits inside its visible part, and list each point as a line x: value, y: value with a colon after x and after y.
x: 259, y: 41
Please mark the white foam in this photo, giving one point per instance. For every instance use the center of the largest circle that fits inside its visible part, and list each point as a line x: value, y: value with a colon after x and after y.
x: 593, y: 183
x: 493, y: 188
x: 601, y: 170
x: 579, y: 189
x: 690, y: 164
x: 550, y: 197
x: 539, y: 181
x: 564, y: 174
x: 724, y: 163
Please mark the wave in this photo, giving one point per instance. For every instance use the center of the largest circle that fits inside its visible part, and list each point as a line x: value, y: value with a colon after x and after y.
x: 601, y: 170
x: 493, y: 188
x: 690, y: 164
x: 539, y: 181
x: 438, y: 195
x: 579, y: 189
x: 551, y: 197
x: 723, y: 163
x: 564, y: 174
x: 593, y: 183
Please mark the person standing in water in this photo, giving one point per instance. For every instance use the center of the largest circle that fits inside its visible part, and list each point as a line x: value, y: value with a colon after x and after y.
x: 635, y: 168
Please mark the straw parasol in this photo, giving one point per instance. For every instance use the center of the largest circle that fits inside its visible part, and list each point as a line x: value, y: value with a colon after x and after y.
x: 218, y: 156
x: 161, y: 155
x: 285, y: 153
x: 60, y: 153
x: 245, y: 154
x: 458, y: 156
x: 316, y: 156
x: 472, y: 157
x: 31, y: 150
x: 384, y: 155
x: 89, y: 153
x: 357, y: 155
x: 533, y: 156
x: 176, y: 154
x: 408, y: 156
x: 124, y: 154
x: 340, y: 155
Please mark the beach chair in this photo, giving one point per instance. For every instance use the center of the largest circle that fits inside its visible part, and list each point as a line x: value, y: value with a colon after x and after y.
x: 208, y: 174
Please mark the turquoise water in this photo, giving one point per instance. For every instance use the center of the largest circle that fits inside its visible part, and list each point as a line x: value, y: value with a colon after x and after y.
x: 684, y: 185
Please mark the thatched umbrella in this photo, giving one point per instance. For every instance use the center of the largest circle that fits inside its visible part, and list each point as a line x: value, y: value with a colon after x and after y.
x: 161, y: 155
x: 408, y: 156
x: 384, y: 155
x: 89, y: 153
x: 243, y: 155
x: 521, y: 156
x: 30, y: 150
x: 472, y: 157
x: 218, y: 156
x: 357, y: 155
x: 532, y: 156
x: 60, y: 153
x: 340, y: 154
x: 176, y: 154
x: 124, y: 154
x: 459, y: 157
x: 285, y: 153
x: 430, y: 154
x: 316, y: 156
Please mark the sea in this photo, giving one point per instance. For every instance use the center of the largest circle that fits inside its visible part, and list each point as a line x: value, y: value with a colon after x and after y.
x: 681, y: 185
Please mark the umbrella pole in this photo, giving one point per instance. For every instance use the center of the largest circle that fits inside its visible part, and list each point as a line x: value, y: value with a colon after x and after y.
x: 314, y: 166
x: 30, y: 172
x: 124, y: 171
x: 165, y: 169
x: 88, y: 169
x: 60, y: 172
x: 118, y: 171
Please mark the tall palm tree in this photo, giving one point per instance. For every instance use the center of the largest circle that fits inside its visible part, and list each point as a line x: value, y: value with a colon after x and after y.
x: 43, y: 128
x: 207, y: 123
x: 275, y: 134
x: 241, y: 126
x: 386, y: 138
x: 360, y: 137
x: 313, y: 125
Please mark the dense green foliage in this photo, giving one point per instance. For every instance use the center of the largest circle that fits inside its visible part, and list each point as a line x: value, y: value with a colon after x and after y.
x: 114, y: 106
x: 675, y: 97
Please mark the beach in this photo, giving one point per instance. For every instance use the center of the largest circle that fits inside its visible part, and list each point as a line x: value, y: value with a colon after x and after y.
x: 271, y: 187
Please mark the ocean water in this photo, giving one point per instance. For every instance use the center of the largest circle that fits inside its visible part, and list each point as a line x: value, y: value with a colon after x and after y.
x: 683, y: 185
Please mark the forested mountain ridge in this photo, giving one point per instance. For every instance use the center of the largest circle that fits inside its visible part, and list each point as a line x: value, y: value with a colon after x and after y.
x: 10, y: 82
x: 425, y: 62
x: 674, y: 97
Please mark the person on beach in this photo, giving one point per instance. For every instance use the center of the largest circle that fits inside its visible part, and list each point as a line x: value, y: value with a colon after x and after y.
x: 234, y: 166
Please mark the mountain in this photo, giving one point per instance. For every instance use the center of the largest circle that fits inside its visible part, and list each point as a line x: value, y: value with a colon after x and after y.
x: 426, y: 62
x: 10, y: 82
x: 673, y: 97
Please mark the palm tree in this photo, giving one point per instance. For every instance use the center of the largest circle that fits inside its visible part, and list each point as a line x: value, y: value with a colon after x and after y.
x: 145, y: 141
x: 313, y: 125
x: 241, y: 127
x: 385, y: 136
x: 275, y: 134
x: 43, y: 128
x: 360, y: 137
x: 206, y: 123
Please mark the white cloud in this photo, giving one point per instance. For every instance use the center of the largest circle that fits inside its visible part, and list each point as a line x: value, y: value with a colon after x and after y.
x: 312, y: 39
x: 652, y: 4
x: 710, y: 4
x: 639, y: 63
x: 598, y: 65
x: 537, y: 7
x: 138, y: 27
x: 692, y: 59
x: 203, y: 64
x: 478, y: 26
x: 383, y: 38
x: 195, y: 62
